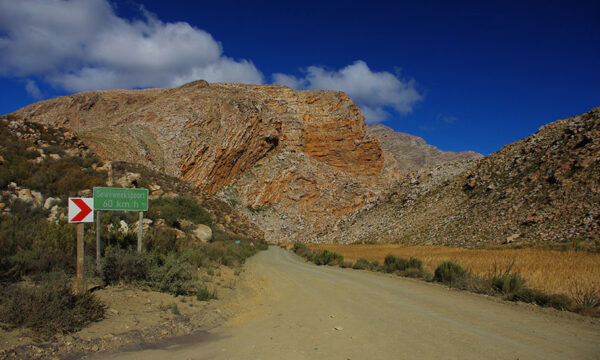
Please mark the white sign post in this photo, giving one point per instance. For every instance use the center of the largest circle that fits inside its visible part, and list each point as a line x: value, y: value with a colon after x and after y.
x: 81, y: 210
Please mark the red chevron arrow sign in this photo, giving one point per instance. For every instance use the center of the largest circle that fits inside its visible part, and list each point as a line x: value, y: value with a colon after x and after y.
x: 81, y: 210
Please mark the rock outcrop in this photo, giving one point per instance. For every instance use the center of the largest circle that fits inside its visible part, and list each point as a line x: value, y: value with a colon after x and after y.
x: 293, y: 161
x: 544, y: 188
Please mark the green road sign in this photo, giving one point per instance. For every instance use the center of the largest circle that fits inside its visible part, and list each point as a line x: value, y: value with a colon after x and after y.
x: 120, y: 199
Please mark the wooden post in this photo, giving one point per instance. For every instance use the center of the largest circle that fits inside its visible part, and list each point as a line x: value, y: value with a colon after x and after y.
x: 80, y: 281
x: 140, y: 232
x: 98, y: 227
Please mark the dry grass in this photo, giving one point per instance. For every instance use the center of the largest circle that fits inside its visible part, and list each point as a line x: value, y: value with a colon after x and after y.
x: 551, y: 271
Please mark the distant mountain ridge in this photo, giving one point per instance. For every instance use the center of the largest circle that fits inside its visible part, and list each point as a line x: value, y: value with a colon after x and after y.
x: 412, y: 152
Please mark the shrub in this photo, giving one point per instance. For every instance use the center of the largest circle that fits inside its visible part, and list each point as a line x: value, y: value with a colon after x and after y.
x: 415, y: 263
x: 173, y: 209
x: 374, y: 266
x: 508, y: 284
x: 197, y: 257
x: 49, y: 307
x: 174, y: 309
x: 413, y: 272
x: 229, y: 253
x: 394, y: 263
x: 361, y: 264
x: 302, y: 250
x: 162, y: 240
x: 449, y: 273
x: 31, y: 245
x: 327, y: 257
x: 204, y: 294
x: 119, y: 265
x: 173, y: 276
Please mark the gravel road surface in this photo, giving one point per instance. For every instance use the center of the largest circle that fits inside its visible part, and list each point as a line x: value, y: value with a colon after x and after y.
x: 285, y: 308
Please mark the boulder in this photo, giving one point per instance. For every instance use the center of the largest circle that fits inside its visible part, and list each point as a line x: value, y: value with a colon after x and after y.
x: 123, y: 227
x: 25, y: 195
x: 129, y: 180
x: 86, y: 193
x: 179, y: 234
x: 145, y: 224
x: 38, y: 198
x: 54, y: 213
x: 203, y: 233
x: 154, y: 187
x: 50, y: 202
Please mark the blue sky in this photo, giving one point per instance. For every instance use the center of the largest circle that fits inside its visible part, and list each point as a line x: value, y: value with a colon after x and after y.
x: 464, y: 75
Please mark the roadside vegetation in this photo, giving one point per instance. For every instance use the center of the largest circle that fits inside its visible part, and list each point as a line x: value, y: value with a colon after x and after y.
x: 37, y: 256
x: 499, y: 280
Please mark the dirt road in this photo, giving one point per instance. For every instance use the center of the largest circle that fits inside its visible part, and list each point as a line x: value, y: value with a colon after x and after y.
x: 288, y: 309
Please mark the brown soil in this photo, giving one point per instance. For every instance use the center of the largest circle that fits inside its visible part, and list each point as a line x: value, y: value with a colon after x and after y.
x: 133, y: 317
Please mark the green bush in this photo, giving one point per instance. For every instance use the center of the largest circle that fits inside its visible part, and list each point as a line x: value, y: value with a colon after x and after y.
x: 394, y: 263
x: 49, y: 307
x: 508, y: 284
x: 174, y: 309
x: 415, y: 263
x: 197, y: 257
x: 449, y: 273
x: 31, y: 245
x: 361, y: 264
x: 173, y: 276
x: 162, y: 240
x: 120, y: 265
x: 173, y: 209
x: 204, y: 294
x: 327, y: 257
x: 229, y: 253
x: 375, y: 266
x: 302, y: 250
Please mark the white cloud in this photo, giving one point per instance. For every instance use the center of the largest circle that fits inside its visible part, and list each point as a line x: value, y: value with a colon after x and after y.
x: 32, y: 89
x: 82, y: 45
x: 372, y: 91
x: 289, y: 81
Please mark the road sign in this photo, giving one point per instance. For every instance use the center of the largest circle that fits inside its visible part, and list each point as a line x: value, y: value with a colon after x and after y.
x: 81, y: 210
x: 120, y: 199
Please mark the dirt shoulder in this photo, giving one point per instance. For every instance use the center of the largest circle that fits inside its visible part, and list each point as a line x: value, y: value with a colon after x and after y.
x: 133, y: 317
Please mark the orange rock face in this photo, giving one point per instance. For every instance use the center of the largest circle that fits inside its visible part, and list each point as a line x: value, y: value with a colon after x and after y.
x: 293, y: 161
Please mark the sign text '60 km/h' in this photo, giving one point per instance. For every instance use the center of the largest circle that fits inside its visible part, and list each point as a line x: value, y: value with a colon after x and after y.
x: 120, y: 199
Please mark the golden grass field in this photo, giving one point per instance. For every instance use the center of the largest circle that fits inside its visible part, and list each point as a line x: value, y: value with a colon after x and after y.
x: 552, y: 271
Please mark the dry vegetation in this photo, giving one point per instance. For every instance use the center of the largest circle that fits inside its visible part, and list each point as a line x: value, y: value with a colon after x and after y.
x: 551, y: 271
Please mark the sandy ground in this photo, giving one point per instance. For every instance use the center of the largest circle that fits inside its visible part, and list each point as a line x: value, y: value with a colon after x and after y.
x: 289, y: 309
x: 133, y: 316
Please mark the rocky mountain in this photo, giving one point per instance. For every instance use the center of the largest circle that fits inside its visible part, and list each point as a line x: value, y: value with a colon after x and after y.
x: 412, y: 153
x: 293, y: 161
x: 303, y: 165
x: 544, y: 188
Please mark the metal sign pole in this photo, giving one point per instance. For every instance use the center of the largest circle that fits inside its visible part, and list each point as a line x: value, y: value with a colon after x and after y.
x: 80, y: 280
x: 98, y: 240
x: 140, y: 230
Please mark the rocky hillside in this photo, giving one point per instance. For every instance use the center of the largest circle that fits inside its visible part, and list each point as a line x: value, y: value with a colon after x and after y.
x: 544, y: 188
x: 40, y: 166
x: 412, y: 153
x: 294, y: 161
